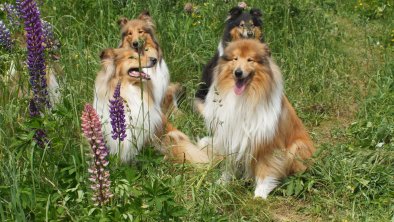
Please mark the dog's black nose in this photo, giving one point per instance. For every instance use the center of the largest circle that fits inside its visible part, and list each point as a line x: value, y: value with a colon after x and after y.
x: 135, y: 44
x: 238, y: 73
x: 153, y: 60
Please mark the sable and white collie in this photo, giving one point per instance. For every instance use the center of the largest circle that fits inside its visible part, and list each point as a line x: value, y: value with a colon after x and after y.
x: 253, y: 125
x: 139, y: 34
x: 239, y: 25
x: 144, y: 119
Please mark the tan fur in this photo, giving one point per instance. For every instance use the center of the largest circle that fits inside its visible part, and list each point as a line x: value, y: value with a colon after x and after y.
x: 122, y: 60
x: 240, y: 32
x: 170, y: 102
x: 290, y: 148
x: 173, y: 143
x: 251, y: 60
x: 143, y: 28
x: 179, y: 148
x: 297, y: 147
x: 135, y: 30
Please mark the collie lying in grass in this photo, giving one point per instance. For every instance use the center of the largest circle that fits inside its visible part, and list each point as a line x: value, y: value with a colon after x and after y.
x: 143, y: 117
x: 253, y: 124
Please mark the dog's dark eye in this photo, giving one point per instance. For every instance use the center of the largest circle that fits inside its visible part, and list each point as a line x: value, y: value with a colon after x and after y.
x: 241, y: 25
x: 131, y: 57
x: 235, y: 58
x: 140, y: 31
x: 250, y: 60
x: 146, y: 49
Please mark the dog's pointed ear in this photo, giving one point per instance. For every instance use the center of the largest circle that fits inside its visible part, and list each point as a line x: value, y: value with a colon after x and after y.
x: 108, y: 53
x: 255, y: 12
x: 256, y: 16
x: 145, y: 15
x: 234, y: 13
x: 122, y: 21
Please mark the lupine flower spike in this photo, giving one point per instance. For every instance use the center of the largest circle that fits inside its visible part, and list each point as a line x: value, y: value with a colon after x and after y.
x: 35, y: 49
x: 12, y: 14
x: 99, y: 175
x: 50, y: 40
x: 118, y: 121
x: 5, y: 37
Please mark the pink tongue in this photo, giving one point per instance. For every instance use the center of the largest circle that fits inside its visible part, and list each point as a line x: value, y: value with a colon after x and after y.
x: 239, y: 88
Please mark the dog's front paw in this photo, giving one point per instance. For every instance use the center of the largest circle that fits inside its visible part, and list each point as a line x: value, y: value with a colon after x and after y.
x: 261, y: 192
x: 264, y: 187
x: 205, y: 143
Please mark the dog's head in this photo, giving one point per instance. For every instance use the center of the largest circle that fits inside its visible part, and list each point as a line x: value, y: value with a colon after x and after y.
x: 126, y: 64
x: 137, y: 33
x: 244, y: 25
x: 246, y: 67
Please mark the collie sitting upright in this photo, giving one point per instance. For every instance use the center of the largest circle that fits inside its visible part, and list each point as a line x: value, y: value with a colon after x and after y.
x: 143, y: 117
x: 139, y: 34
x: 252, y: 123
x: 144, y: 120
x: 239, y: 25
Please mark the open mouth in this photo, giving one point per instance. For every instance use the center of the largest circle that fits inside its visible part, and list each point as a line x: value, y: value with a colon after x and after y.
x: 240, y: 85
x: 137, y: 73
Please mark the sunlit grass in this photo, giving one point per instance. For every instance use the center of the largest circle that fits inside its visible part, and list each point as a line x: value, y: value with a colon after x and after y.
x: 337, y: 76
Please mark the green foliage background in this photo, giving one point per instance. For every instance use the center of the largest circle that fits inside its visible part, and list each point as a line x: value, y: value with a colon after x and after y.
x: 337, y: 62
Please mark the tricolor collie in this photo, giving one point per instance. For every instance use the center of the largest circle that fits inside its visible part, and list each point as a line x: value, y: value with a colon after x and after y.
x: 144, y: 119
x: 252, y: 123
x: 139, y: 34
x: 238, y: 25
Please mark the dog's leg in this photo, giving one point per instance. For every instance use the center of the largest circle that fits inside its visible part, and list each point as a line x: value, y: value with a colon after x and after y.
x: 265, y: 186
x: 269, y: 170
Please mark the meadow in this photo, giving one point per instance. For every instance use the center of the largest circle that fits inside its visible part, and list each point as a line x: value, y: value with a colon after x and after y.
x: 337, y: 60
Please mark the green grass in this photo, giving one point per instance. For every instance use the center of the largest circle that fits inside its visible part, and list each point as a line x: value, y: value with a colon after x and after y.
x: 337, y: 62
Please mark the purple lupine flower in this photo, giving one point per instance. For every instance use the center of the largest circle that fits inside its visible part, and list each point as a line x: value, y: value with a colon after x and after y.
x: 49, y: 36
x: 99, y: 175
x: 118, y: 121
x: 40, y: 137
x: 34, y: 112
x: 12, y: 14
x: 36, y: 57
x: 5, y: 37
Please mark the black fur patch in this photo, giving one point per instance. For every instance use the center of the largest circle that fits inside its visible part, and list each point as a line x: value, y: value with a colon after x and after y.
x: 236, y: 15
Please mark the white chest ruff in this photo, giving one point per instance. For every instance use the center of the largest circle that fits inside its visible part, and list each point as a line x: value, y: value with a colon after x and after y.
x: 160, y: 77
x: 141, y: 122
x: 220, y: 48
x: 237, y: 127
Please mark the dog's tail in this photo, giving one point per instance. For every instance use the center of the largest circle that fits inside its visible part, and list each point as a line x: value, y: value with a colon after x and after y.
x: 179, y: 148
